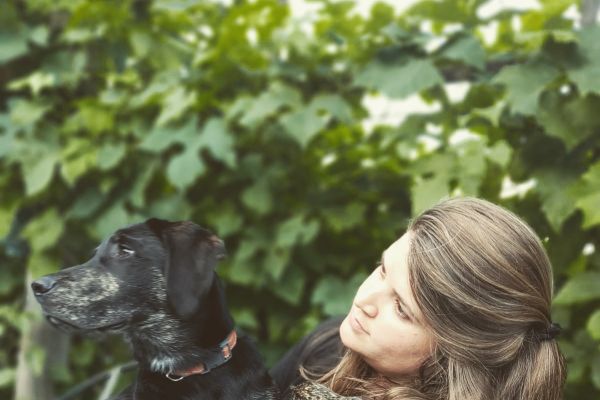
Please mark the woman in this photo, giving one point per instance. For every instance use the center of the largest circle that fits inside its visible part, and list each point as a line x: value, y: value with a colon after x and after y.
x: 458, y: 308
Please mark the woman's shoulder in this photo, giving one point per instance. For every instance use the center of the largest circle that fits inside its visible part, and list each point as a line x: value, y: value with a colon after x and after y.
x: 318, y: 352
x: 315, y: 391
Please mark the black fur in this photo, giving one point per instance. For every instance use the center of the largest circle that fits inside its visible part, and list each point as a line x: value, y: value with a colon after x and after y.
x: 155, y: 283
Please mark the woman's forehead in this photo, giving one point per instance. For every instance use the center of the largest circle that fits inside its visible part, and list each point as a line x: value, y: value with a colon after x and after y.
x: 398, y: 251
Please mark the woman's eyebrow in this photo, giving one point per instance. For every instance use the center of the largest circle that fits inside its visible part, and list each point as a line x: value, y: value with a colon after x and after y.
x: 405, y: 307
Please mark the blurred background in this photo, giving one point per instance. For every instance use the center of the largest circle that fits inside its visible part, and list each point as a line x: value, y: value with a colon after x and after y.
x: 306, y: 134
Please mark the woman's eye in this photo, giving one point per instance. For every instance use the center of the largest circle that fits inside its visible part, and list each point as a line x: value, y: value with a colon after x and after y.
x: 399, y: 309
x: 125, y: 251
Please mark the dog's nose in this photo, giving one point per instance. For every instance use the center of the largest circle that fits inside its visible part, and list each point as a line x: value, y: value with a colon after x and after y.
x: 43, y: 285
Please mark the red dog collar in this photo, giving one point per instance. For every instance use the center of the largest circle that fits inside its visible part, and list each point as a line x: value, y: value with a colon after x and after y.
x: 222, y: 355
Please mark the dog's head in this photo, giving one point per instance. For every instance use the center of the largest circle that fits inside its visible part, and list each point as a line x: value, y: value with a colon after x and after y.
x: 141, y: 271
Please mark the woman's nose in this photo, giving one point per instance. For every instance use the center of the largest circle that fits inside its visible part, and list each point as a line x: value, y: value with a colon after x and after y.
x: 366, y: 301
x: 369, y: 309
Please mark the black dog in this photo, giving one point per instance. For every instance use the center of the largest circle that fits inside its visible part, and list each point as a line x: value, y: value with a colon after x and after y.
x: 155, y: 283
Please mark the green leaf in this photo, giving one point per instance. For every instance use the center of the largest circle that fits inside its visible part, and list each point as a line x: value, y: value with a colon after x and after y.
x: 173, y: 6
x: 86, y: 204
x: 77, y: 159
x: 557, y: 201
x: 175, y: 104
x: 276, y: 261
x: 161, y: 138
x: 39, y: 35
x: 173, y: 207
x: 492, y: 113
x: 44, y: 231
x: 226, y: 221
x: 467, y: 50
x: 40, y: 264
x: 14, y: 44
x: 7, y: 136
x: 399, y: 80
x: 247, y: 274
x: 7, y: 214
x: 185, y: 168
x: 427, y: 192
x: 570, y: 119
x: 245, y: 318
x: 595, y: 371
x: 137, y: 193
x: 296, y: 230
x: 309, y: 231
x: 66, y: 67
x: 7, y: 375
x: 593, y: 325
x: 38, y: 172
x: 35, y: 81
x: 333, y: 104
x: 26, y: 113
x: 524, y: 84
x: 110, y: 155
x: 587, y: 195
x: 239, y: 106
x: 277, y: 96
x: 470, y: 167
x: 92, y: 117
x: 591, y: 211
x: 79, y: 35
x: 587, y: 73
x: 335, y: 295
x: 290, y: 286
x: 343, y: 218
x: 112, y: 219
x: 8, y: 282
x: 587, y: 78
x: 112, y: 97
x: 246, y: 250
x: 499, y: 153
x: 303, y: 124
x: 577, y: 359
x: 579, y: 289
x: 217, y: 139
x: 158, y: 88
x: 141, y: 42
x: 447, y: 11
x: 258, y: 197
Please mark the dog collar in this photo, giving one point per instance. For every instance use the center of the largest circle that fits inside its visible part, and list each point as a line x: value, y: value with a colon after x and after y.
x: 221, y: 355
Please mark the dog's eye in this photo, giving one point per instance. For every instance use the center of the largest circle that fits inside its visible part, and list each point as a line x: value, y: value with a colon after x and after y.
x: 125, y: 251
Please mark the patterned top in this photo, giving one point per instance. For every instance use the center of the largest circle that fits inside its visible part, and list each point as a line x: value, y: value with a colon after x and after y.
x: 315, y: 391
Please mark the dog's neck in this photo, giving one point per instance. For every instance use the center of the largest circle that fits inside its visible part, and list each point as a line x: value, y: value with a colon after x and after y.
x: 212, y: 321
x: 168, y: 343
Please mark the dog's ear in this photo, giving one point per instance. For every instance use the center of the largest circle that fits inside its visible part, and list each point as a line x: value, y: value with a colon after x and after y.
x: 192, y: 254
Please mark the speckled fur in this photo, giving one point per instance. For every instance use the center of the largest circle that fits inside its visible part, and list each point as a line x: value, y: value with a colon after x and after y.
x: 163, y: 296
x: 315, y: 391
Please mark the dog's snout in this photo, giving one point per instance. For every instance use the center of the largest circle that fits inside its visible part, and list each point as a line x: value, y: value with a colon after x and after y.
x: 43, y: 285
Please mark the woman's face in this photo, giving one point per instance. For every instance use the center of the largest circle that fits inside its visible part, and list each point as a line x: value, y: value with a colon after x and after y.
x: 383, y: 324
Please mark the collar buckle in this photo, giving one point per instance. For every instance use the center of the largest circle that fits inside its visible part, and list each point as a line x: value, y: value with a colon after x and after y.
x: 223, y: 352
x: 174, y: 378
x: 226, y: 351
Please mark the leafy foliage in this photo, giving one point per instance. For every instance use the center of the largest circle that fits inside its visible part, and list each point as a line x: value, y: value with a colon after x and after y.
x: 253, y: 122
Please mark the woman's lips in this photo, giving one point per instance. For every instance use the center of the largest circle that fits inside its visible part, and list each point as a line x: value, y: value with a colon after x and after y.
x: 355, y: 323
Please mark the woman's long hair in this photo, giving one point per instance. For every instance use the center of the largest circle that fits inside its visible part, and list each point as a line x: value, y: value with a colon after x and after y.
x: 483, y: 283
